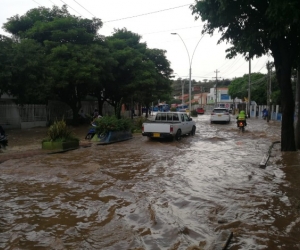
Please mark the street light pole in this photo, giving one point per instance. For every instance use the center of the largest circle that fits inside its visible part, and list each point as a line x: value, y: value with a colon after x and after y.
x: 182, y: 90
x: 249, y: 87
x: 190, y: 69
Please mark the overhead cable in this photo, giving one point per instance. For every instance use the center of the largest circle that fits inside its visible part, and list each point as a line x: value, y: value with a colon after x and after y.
x: 235, y: 69
x: 84, y: 8
x: 36, y: 2
x: 154, y: 12
x: 71, y: 8
x: 164, y: 31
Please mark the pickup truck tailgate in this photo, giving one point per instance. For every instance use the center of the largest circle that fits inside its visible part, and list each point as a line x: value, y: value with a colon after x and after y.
x: 157, y: 127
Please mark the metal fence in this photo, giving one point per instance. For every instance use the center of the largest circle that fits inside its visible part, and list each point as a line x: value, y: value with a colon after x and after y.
x: 14, y: 116
x: 9, y: 116
x: 33, y: 113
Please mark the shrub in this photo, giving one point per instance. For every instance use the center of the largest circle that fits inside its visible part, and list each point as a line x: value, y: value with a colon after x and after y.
x: 60, y: 132
x: 112, y: 123
x: 137, y: 124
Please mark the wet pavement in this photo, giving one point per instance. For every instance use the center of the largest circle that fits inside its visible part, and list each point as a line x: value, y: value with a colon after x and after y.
x: 152, y: 194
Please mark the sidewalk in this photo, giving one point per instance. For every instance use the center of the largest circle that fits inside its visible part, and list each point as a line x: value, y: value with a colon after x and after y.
x: 28, y: 142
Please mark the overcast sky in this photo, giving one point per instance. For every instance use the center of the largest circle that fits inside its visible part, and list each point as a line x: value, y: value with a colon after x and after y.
x: 155, y: 20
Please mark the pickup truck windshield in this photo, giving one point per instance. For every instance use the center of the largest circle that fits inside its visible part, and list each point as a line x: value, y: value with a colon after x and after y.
x: 186, y: 118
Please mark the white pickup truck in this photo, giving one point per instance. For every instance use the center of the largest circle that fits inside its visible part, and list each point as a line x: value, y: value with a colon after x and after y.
x: 169, y: 125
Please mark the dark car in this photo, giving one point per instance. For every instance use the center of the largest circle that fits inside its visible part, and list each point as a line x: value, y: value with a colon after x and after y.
x: 200, y: 111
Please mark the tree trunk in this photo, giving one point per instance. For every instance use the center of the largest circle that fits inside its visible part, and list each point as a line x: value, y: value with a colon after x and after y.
x: 140, y: 109
x: 75, y: 109
x: 297, y: 130
x: 282, y: 61
x: 100, y: 104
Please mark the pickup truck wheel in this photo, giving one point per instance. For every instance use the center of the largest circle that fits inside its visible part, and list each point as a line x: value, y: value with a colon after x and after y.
x: 193, y: 131
x: 178, y: 135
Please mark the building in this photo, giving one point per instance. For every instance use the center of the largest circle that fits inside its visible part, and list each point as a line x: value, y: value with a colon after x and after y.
x: 221, y: 98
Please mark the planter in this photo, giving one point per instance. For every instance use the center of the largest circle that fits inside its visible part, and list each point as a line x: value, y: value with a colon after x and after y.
x: 112, y: 137
x: 60, y: 145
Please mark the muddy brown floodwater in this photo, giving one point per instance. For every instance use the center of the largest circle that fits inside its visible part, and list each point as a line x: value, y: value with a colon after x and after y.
x: 151, y: 194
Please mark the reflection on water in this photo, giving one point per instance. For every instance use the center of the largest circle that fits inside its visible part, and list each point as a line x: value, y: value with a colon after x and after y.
x: 147, y: 194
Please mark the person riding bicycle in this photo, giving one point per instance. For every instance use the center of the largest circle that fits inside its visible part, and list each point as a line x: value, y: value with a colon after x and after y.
x: 241, y: 117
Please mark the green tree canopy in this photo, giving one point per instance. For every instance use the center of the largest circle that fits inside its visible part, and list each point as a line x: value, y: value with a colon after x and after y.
x: 61, y: 56
x: 68, y: 44
x: 5, y: 63
x: 239, y: 87
x: 141, y: 74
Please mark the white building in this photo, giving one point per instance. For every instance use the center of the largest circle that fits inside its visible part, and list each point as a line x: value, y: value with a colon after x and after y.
x: 221, y: 98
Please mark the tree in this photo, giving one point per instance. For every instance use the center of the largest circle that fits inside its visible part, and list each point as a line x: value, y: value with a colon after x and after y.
x: 126, y: 49
x: 239, y: 87
x: 141, y: 74
x: 70, y: 47
x: 159, y: 87
x: 22, y: 71
x: 5, y: 75
x: 255, y: 28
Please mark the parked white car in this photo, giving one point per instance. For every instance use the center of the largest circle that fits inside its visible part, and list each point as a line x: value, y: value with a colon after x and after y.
x: 220, y: 115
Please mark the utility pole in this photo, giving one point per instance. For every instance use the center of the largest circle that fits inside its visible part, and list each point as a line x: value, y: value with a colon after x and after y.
x: 249, y: 87
x: 182, y: 91
x: 201, y: 90
x: 216, y: 101
x: 269, y: 90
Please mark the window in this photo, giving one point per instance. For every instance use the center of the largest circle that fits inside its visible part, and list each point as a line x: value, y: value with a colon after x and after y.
x: 175, y: 117
x: 163, y: 116
x: 169, y: 117
x: 220, y: 110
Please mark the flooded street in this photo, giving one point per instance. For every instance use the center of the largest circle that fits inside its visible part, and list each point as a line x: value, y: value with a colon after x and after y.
x: 149, y: 194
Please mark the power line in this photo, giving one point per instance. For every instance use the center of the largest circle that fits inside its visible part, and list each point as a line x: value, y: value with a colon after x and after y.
x: 235, y: 61
x: 263, y: 66
x: 71, y: 8
x: 52, y: 2
x: 84, y: 8
x: 150, y: 13
x: 163, y: 31
x: 257, y: 62
x: 235, y: 69
x: 36, y: 2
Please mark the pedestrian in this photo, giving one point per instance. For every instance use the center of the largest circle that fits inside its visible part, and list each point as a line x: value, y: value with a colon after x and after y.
x: 265, y: 113
x: 96, y: 113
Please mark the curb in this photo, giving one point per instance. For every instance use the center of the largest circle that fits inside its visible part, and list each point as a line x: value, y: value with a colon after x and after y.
x: 265, y: 159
